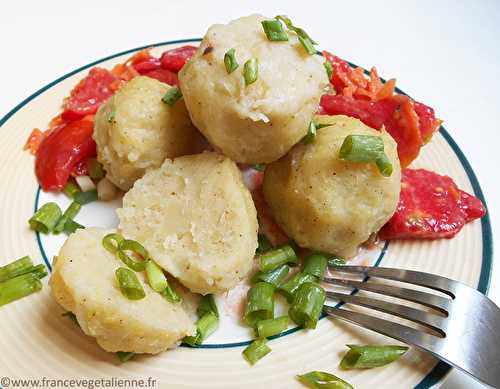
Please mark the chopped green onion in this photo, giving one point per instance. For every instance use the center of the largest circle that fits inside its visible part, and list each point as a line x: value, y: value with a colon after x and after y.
x: 205, y: 327
x: 19, y: 287
x: 264, y: 244
x: 72, y: 316
x: 69, y: 214
x: 85, y: 183
x: 260, y: 303
x: 39, y: 271
x: 274, y: 30
x: 329, y: 69
x: 171, y: 295
x: 299, y: 31
x: 336, y: 261
x: 308, y: 45
x: 70, y: 189
x: 323, y: 380
x: 289, y: 288
x: 96, y: 170
x: 251, y: 71
x: 71, y: 226
x: 366, y: 357
x: 311, y: 134
x: 315, y: 265
x: 124, y: 356
x: 307, y: 305
x: 156, y: 277
x: 16, y: 268
x: 137, y: 250
x: 271, y: 327
x: 260, y: 167
x: 258, y: 349
x: 86, y: 197
x: 111, y: 242
x: 274, y: 277
x: 173, y: 94
x: 230, y: 61
x: 46, y: 218
x: 276, y: 258
x: 130, y: 285
x: 384, y: 165
x: 112, y: 116
x: 207, y: 304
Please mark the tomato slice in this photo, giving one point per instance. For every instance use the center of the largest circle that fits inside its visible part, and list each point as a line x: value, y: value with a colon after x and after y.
x: 428, y: 122
x: 430, y: 207
x: 89, y: 94
x: 175, y: 59
x: 61, y: 151
x: 148, y: 65
x: 163, y: 75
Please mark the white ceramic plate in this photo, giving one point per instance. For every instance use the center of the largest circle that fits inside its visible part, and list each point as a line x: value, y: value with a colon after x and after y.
x: 38, y: 342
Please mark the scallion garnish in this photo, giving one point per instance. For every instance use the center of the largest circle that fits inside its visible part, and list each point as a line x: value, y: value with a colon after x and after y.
x: 230, y: 61
x: 111, y: 242
x: 366, y: 148
x: 311, y: 134
x: 71, y: 226
x: 367, y: 357
x: 70, y: 189
x: 251, y: 71
x: 307, y: 304
x: 260, y: 303
x: 329, y: 69
x: 171, y: 295
x: 303, y: 36
x: 130, y: 285
x: 112, y: 116
x: 16, y: 268
x: 46, y: 218
x: 205, y: 326
x: 86, y: 197
x: 137, y: 250
x: 274, y: 277
x: 274, y: 30
x: 264, y: 244
x: 96, y: 171
x: 124, y: 356
x: 308, y: 45
x: 336, y: 261
x: 156, y: 277
x: 19, y: 287
x: 69, y: 214
x: 271, y: 327
x: 315, y: 265
x: 384, y: 165
x: 256, y: 350
x: 323, y: 380
x: 207, y: 304
x: 276, y: 258
x: 173, y: 94
x: 291, y: 286
x: 260, y: 167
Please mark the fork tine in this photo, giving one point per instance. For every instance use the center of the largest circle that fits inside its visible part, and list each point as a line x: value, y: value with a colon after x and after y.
x: 427, y: 319
x: 430, y: 300
x: 442, y: 284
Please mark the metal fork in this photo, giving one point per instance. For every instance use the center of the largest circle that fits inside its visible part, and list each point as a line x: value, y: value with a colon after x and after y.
x: 466, y: 326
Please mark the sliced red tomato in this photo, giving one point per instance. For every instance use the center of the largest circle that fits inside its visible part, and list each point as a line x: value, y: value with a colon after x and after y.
x: 62, y: 150
x: 428, y: 122
x: 89, y: 94
x: 175, y: 59
x: 163, y: 75
x: 148, y: 65
x: 430, y: 207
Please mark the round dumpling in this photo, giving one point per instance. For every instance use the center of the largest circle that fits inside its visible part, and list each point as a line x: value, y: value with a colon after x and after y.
x: 328, y: 204
x: 197, y: 220
x: 135, y: 131
x: 83, y: 281
x: 260, y: 122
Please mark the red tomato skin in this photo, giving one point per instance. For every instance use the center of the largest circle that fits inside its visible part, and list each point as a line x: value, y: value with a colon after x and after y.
x: 147, y: 66
x: 163, y: 75
x: 428, y: 122
x: 61, y: 151
x: 175, y: 59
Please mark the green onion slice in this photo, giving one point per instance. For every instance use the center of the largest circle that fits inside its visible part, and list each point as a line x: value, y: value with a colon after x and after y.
x: 124, y: 356
x: 271, y: 327
x: 156, y: 277
x: 258, y: 349
x: 111, y: 242
x: 260, y: 303
x: 16, y: 268
x: 315, y: 265
x: 71, y: 226
x: 70, y: 189
x: 251, y: 71
x: 274, y: 30
x: 112, y: 116
x: 274, y: 277
x: 276, y: 258
x: 130, y: 285
x: 260, y: 167
x: 86, y: 197
x: 264, y: 244
x: 308, y: 45
x: 299, y: 31
x: 136, y: 250
x: 336, y: 261
x: 207, y: 304
x: 171, y: 295
x: 230, y: 61
x: 39, y: 271
x: 19, y: 287
x: 96, y: 171
x: 205, y: 327
x: 46, y: 218
x: 329, y: 69
x: 323, y: 380
x: 307, y: 305
x: 291, y: 286
x: 366, y: 148
x: 173, y: 94
x: 69, y: 214
x: 311, y: 134
x: 369, y: 356
x: 384, y: 165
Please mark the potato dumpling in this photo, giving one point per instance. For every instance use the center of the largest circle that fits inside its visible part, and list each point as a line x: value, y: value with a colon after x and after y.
x: 197, y: 220
x: 260, y: 122
x: 328, y: 204
x: 135, y: 131
x: 83, y: 281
